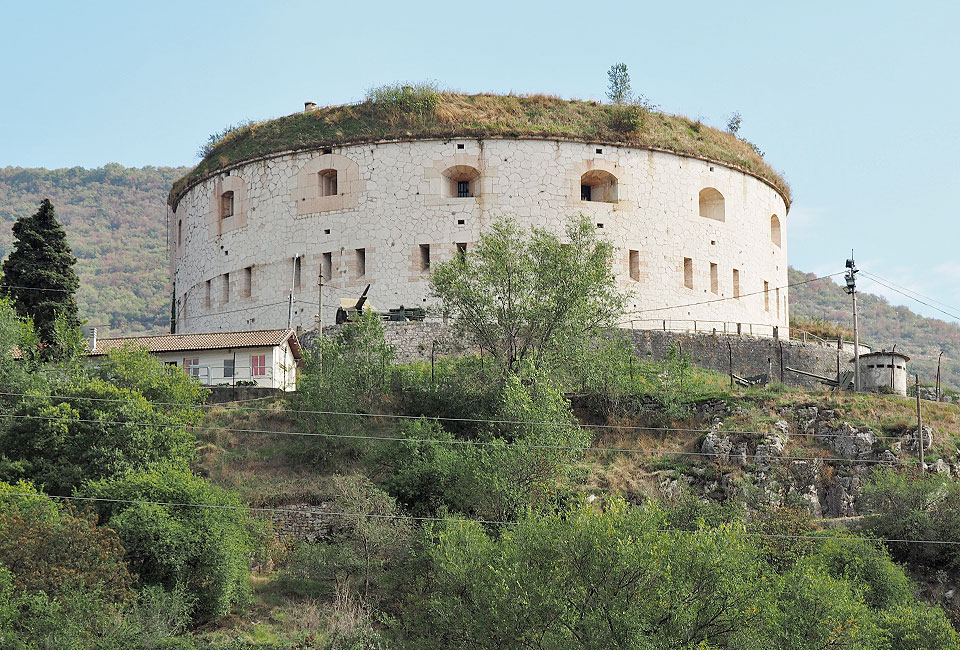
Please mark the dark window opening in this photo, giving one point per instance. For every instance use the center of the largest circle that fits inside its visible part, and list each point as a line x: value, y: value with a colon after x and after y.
x: 424, y: 257
x: 226, y: 205
x: 463, y: 189
x: 585, y: 192
x: 328, y: 182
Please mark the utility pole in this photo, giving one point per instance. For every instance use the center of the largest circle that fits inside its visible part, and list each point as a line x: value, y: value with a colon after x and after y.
x: 851, y: 278
x: 919, y: 422
x: 320, y: 303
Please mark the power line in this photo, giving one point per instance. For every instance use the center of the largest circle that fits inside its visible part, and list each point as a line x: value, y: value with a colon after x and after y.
x: 942, y: 304
x: 399, y: 416
x: 742, y: 295
x: 455, y: 520
x: 874, y: 278
x: 478, y: 443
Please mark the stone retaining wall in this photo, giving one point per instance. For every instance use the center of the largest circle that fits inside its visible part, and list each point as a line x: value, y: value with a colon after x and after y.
x: 751, y: 355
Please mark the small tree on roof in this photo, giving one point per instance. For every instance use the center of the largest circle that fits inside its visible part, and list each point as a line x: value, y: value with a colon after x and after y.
x: 38, y: 274
x: 619, y: 91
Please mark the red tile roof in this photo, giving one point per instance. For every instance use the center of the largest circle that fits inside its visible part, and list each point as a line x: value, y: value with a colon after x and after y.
x: 208, y: 341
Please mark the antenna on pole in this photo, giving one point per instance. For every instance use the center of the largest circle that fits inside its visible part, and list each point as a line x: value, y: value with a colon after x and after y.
x: 851, y: 278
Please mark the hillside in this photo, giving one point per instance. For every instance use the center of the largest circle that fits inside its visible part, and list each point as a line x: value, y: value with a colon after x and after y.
x: 882, y: 326
x: 115, y: 219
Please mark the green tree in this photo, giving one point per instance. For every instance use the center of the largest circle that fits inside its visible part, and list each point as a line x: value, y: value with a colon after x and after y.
x: 202, y: 547
x: 38, y: 274
x: 522, y: 296
x: 618, y: 89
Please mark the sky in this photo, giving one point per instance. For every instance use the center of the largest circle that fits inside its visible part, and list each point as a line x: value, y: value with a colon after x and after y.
x: 854, y: 102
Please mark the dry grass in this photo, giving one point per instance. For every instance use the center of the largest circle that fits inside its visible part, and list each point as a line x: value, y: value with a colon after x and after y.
x: 483, y: 115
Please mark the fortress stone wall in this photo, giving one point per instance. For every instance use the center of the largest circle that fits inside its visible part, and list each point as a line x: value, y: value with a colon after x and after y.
x: 686, y: 230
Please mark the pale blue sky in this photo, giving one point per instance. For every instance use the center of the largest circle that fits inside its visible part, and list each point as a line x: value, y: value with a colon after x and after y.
x: 856, y: 102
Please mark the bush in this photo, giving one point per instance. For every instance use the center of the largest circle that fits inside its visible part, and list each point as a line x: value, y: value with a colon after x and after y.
x: 53, y: 548
x: 204, y: 551
x: 413, y: 99
x: 915, y: 507
x: 368, y: 539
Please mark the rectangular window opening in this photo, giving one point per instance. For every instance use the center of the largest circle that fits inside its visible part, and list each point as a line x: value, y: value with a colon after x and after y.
x: 714, y: 279
x: 228, y: 368
x: 462, y: 251
x: 361, y: 262
x: 635, y: 266
x: 463, y: 189
x: 247, y: 282
x: 585, y: 191
x: 424, y: 257
x: 328, y: 182
x: 688, y: 273
x: 736, y: 283
x: 258, y: 365
x: 297, y: 272
x: 326, y: 266
x: 226, y: 205
x: 766, y: 295
x: 192, y: 367
x: 778, y: 303
x: 226, y: 287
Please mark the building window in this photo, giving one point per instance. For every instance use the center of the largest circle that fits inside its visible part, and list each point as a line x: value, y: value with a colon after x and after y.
x: 711, y: 204
x: 736, y: 283
x: 462, y: 251
x: 192, y: 367
x: 326, y: 265
x: 598, y: 185
x: 297, y: 272
x: 778, y: 302
x: 228, y: 368
x: 361, y: 262
x: 688, y: 273
x: 258, y: 365
x: 180, y: 232
x: 226, y: 204
x: 226, y: 287
x: 424, y: 257
x: 635, y: 266
x: 775, y: 230
x: 328, y: 182
x: 208, y: 294
x: 714, y: 279
x: 248, y: 282
x: 461, y: 181
x: 766, y: 295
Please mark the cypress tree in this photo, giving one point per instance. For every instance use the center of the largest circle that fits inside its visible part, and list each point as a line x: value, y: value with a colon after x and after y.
x: 38, y: 274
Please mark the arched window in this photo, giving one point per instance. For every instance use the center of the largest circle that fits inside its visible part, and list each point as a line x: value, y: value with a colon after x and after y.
x: 461, y: 182
x: 328, y: 182
x: 598, y: 185
x: 226, y: 204
x: 711, y: 204
x: 775, y: 230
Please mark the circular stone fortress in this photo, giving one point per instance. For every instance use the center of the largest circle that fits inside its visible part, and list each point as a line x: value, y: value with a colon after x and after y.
x: 377, y: 193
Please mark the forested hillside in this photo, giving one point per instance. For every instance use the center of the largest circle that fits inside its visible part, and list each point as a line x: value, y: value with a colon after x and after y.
x: 882, y: 325
x: 115, y: 219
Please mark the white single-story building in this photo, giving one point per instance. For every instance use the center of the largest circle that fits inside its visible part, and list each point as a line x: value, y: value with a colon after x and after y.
x: 264, y: 358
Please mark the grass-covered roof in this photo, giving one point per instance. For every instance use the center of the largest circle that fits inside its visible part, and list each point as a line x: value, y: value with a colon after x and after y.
x: 416, y: 113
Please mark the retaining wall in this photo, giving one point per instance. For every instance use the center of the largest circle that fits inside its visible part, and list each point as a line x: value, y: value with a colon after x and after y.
x: 751, y: 355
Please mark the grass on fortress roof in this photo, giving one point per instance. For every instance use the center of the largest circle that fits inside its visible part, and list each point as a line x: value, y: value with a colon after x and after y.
x: 423, y: 112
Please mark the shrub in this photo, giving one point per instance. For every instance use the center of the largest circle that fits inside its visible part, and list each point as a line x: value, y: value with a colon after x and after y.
x: 202, y: 548
x: 415, y: 99
x: 52, y: 548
